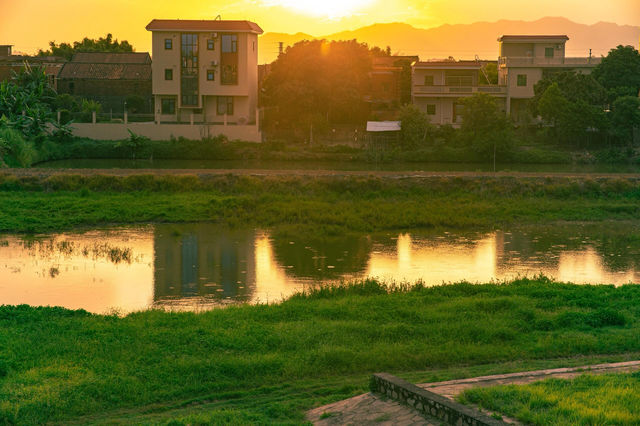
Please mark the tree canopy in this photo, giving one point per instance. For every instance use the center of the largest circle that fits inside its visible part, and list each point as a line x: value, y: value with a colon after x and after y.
x: 102, y: 44
x: 619, y: 72
x: 485, y: 126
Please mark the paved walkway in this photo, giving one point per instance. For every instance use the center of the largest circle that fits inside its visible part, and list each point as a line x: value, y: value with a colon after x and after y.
x: 370, y: 409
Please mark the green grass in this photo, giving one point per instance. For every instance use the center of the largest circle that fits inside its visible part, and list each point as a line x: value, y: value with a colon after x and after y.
x: 270, y: 363
x: 612, y: 399
x: 329, y: 205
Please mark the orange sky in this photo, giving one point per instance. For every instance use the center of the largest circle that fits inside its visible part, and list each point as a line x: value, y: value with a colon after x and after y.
x: 30, y: 24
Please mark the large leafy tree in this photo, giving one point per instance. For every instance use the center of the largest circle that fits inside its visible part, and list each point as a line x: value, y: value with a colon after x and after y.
x: 625, y: 116
x: 486, y: 128
x: 619, y: 72
x: 102, y: 44
x: 319, y: 82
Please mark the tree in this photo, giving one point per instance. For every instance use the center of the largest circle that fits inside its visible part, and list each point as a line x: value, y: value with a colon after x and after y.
x: 619, y: 72
x: 625, y: 116
x: 103, y: 44
x: 415, y: 127
x: 485, y: 127
x: 319, y: 79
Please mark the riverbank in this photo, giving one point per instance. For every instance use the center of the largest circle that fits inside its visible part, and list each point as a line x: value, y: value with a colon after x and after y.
x: 265, y: 364
x: 327, y: 204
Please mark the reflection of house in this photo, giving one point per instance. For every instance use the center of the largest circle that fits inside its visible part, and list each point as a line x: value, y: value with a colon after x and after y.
x: 205, y: 71
x: 525, y: 60
x: 14, y: 63
x: 439, y: 86
x: 202, y: 261
x: 108, y: 78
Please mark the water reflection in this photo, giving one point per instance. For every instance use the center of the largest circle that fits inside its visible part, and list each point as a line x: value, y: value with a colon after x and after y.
x: 202, y: 266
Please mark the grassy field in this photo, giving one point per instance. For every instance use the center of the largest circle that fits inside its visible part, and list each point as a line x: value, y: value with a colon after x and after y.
x: 328, y: 205
x: 612, y: 399
x: 266, y: 364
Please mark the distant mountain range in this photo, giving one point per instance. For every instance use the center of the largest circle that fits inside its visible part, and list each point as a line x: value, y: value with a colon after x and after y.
x: 465, y: 41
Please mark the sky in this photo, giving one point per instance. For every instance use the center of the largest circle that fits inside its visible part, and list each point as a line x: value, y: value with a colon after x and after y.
x: 31, y: 24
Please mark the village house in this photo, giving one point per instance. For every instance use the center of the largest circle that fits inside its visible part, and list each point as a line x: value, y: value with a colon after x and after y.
x: 10, y: 63
x: 205, y: 71
x: 111, y: 79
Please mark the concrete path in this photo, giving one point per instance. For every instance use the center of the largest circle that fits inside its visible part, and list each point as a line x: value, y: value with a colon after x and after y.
x: 370, y: 409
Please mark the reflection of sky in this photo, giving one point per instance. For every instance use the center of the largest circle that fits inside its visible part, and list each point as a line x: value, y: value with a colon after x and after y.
x: 211, y: 265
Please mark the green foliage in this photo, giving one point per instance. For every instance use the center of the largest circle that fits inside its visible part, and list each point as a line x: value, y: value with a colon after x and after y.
x: 619, y: 72
x: 134, y: 144
x: 566, y: 401
x: 135, y: 103
x: 103, y: 44
x: 416, y: 127
x: 625, y: 116
x: 14, y: 149
x: 485, y: 127
x: 270, y: 363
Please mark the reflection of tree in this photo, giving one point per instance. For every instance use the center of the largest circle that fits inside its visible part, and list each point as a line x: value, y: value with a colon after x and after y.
x: 322, y: 258
x: 203, y: 261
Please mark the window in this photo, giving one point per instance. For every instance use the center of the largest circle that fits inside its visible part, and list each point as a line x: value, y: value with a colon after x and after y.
x: 458, y: 111
x: 168, y: 74
x: 431, y: 109
x: 168, y: 106
x: 211, y: 44
x: 168, y: 44
x: 428, y: 80
x: 229, y: 74
x: 189, y: 76
x: 548, y: 52
x: 522, y: 80
x: 229, y: 43
x: 225, y: 105
x: 72, y: 88
x: 211, y: 75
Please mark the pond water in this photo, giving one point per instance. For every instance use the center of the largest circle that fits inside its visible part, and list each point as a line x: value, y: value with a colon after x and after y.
x: 202, y: 266
x: 334, y: 165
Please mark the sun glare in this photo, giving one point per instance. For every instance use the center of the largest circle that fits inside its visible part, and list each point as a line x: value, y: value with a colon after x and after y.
x: 328, y: 8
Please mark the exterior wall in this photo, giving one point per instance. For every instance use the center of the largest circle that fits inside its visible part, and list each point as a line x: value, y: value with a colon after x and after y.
x: 160, y: 132
x: 534, y: 75
x: 444, y: 109
x: 245, y: 92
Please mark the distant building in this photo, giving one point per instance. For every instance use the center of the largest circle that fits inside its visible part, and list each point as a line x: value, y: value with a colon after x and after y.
x: 10, y: 63
x: 205, y: 71
x: 526, y: 59
x: 109, y: 78
x: 439, y: 87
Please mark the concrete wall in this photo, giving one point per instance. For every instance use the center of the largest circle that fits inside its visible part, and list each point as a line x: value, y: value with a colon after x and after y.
x: 116, y: 131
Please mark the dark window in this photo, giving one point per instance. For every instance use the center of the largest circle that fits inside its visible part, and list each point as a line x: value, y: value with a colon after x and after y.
x: 189, y: 76
x: 211, y: 75
x: 168, y: 74
x: 229, y: 43
x: 548, y: 52
x: 225, y: 105
x: 211, y: 44
x: 168, y: 106
x: 168, y: 44
x: 522, y: 80
x: 72, y: 87
x: 431, y: 109
x: 229, y: 74
x: 428, y: 80
x: 458, y: 110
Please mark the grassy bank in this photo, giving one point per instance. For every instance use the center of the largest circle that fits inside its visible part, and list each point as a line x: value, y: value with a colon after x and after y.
x: 586, y: 400
x: 271, y: 363
x: 329, y: 205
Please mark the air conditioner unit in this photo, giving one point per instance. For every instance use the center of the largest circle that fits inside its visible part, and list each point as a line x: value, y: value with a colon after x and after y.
x: 214, y: 35
x: 558, y: 46
x: 214, y: 63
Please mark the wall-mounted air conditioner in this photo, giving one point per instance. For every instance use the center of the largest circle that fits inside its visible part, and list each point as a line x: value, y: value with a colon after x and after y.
x: 214, y: 63
x: 214, y: 35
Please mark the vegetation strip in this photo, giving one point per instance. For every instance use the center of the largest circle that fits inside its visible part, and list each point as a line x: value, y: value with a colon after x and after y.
x: 429, y: 403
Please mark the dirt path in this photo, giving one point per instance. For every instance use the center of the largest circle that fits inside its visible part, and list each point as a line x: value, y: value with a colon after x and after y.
x: 36, y: 172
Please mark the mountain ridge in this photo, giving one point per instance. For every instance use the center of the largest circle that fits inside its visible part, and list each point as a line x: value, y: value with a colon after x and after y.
x: 464, y: 41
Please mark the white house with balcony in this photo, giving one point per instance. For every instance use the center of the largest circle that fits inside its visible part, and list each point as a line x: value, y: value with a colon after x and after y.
x: 524, y: 60
x: 439, y: 86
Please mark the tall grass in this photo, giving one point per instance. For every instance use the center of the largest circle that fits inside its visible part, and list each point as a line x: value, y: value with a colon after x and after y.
x: 59, y: 364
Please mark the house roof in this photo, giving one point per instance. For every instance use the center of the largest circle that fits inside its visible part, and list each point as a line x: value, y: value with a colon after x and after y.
x: 204, y: 26
x: 84, y: 71
x: 383, y: 126
x: 111, y: 58
x: 533, y: 38
x: 449, y: 64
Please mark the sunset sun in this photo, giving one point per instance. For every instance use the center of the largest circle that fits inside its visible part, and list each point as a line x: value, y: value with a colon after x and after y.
x: 329, y: 8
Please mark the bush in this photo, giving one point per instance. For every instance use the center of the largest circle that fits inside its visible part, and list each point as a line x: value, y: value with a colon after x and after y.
x: 14, y: 149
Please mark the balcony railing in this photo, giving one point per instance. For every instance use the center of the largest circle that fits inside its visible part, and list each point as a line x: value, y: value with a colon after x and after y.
x: 542, y: 61
x: 458, y: 90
